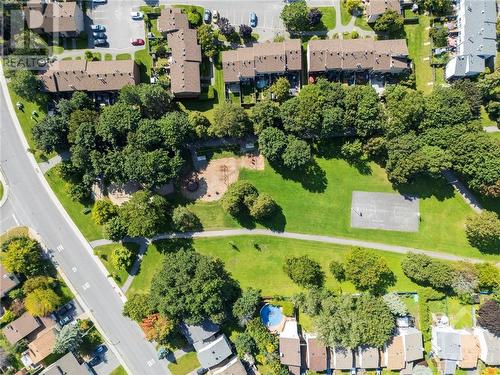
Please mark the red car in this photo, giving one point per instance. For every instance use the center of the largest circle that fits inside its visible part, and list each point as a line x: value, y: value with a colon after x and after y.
x: 137, y: 42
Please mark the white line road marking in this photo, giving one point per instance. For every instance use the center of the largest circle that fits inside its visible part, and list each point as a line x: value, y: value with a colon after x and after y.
x: 74, y: 269
x: 60, y: 248
x: 86, y: 286
x: 151, y: 362
x: 15, y: 219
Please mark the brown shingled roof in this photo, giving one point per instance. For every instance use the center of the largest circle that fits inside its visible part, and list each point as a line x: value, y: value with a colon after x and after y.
x: 394, y: 354
x: 469, y: 350
x: 43, y: 345
x: 378, y: 7
x: 316, y: 355
x: 8, y: 281
x: 52, y: 17
x: 20, y: 328
x: 172, y: 19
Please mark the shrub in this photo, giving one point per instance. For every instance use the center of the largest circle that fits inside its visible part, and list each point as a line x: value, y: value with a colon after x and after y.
x: 263, y: 207
x: 337, y: 270
x: 488, y: 314
x: 184, y: 220
x: 395, y: 304
x: 122, y: 257
x: 115, y: 229
x: 103, y: 210
x: 244, y: 308
x: 237, y: 197
x: 483, y: 230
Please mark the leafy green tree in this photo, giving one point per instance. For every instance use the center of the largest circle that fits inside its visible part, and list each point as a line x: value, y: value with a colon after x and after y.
x: 185, y: 220
x: 138, y: 306
x: 230, y: 120
x: 363, y: 111
x: 116, y: 122
x: 25, y: 84
x: 38, y: 282
x: 368, y: 271
x: 436, y: 7
x: 404, y: 109
x: 50, y: 134
x: 338, y: 270
x: 22, y: 255
x: 245, y: 307
x: 265, y: 114
x: 272, y: 143
x: 155, y: 100
x: 144, y: 214
x: 294, y: 16
x: 297, y: 153
x: 78, y: 101
x: 483, y: 230
x: 333, y: 121
x: 199, y: 123
x: 353, y: 151
x: 77, y: 118
x: 303, y: 114
x: 439, y: 36
x: 69, y: 338
x: 175, y: 128
x: 425, y: 271
x: 488, y: 314
x: 244, y: 344
x: 280, y: 89
x: 103, y: 210
x: 192, y: 287
x: 122, y: 257
x: 395, y: 304
x: 41, y: 302
x: 194, y: 17
x: 208, y: 41
x: 115, y: 229
x: 238, y: 197
x: 353, y: 5
x: 472, y: 94
x: 304, y: 271
x: 488, y: 275
x: 446, y: 106
x: 263, y: 207
x: 390, y: 22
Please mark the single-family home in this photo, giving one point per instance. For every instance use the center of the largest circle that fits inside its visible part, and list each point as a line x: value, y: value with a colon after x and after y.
x: 367, y: 358
x: 289, y: 344
x: 375, y: 8
x: 231, y: 366
x: 59, y: 18
x: 489, y: 346
x: 475, y: 38
x: 67, y: 364
x: 40, y: 348
x: 8, y: 281
x: 403, y: 350
x: 90, y: 76
x: 185, y: 61
x: 198, y: 334
x: 317, y: 354
x: 21, y: 327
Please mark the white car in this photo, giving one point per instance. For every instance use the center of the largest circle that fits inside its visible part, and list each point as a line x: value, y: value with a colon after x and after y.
x: 215, y: 16
x: 137, y: 15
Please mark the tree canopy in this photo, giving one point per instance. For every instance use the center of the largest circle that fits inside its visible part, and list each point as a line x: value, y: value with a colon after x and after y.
x: 304, y: 271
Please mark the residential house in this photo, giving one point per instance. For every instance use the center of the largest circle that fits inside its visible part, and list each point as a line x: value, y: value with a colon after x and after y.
x: 199, y: 333
x: 317, y: 354
x: 67, y: 364
x: 289, y: 344
x: 8, y: 281
x: 40, y: 348
x: 21, y: 327
x: 357, y: 55
x: 475, y: 38
x: 263, y: 61
x: 403, y: 350
x: 231, y: 366
x: 367, y: 358
x: 489, y: 346
x: 341, y: 358
x: 185, y: 61
x: 63, y: 19
x: 375, y: 8
x: 90, y: 76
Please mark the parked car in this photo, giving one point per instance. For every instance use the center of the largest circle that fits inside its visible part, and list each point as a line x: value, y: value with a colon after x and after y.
x: 97, y: 28
x: 95, y: 361
x: 207, y: 17
x: 137, y: 15
x: 100, y: 350
x: 100, y: 42
x: 99, y: 1
x: 137, y: 42
x: 99, y: 36
x: 253, y: 19
x: 215, y: 16
x: 64, y: 320
x: 201, y: 371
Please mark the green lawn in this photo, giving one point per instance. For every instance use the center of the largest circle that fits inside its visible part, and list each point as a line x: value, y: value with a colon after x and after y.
x: 119, y: 371
x: 417, y: 36
x: 319, y: 202
x: 143, y: 59
x: 362, y: 24
x: 460, y: 315
x: 344, y: 14
x: 83, y: 221
x: 104, y: 254
x: 123, y: 56
x: 14, y: 232
x: 154, y: 28
x: 185, y: 7
x: 257, y: 261
x: 1, y: 191
x: 328, y: 17
x: 185, y: 364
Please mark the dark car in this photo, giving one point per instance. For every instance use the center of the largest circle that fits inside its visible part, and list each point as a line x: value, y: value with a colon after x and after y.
x: 253, y: 19
x: 100, y: 350
x: 64, y: 320
x: 201, y: 371
x: 100, y: 42
x: 99, y: 35
x: 95, y: 361
x: 207, y: 17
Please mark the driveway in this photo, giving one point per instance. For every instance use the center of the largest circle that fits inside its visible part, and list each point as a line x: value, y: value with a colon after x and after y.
x: 107, y: 365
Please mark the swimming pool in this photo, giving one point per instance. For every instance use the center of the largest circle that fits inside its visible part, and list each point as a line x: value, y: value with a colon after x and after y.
x: 271, y: 315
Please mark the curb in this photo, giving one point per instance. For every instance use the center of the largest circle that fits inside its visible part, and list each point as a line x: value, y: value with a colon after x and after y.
x: 6, y: 189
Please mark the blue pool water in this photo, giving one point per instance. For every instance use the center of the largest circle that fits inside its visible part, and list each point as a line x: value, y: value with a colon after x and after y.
x: 271, y: 315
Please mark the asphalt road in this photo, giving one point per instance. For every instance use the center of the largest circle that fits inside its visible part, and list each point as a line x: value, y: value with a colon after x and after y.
x: 32, y: 203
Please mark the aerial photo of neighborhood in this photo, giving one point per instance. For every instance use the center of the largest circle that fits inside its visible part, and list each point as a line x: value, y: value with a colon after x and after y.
x: 249, y: 187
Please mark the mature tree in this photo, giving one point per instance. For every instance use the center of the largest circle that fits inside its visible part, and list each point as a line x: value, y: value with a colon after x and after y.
x: 437, y: 7
x: 465, y: 279
x: 116, y: 122
x: 244, y: 344
x: 297, y: 153
x: 230, y: 120
x: 439, y: 35
x: 154, y: 99
x: 280, y: 89
x: 77, y: 119
x: 472, y: 94
x: 245, y: 307
x: 208, y: 41
x: 314, y: 16
x: 483, y: 230
x: 156, y: 327
x: 50, y: 134
x: 333, y: 121
x: 390, y: 22
x: 304, y: 271
x: 239, y: 197
x: 353, y: 5
x: 311, y: 301
x: 25, y: 84
x: 199, y: 123
x: 225, y: 27
x: 185, y: 220
x: 488, y: 275
x: 264, y: 114
x: 368, y: 271
x: 245, y: 32
x: 194, y: 17
x: 404, y: 109
x: 40, y: 302
x: 38, y: 282
x: 363, y: 111
x: 488, y: 314
x: 302, y: 114
x: 272, y: 143
x: 69, y: 338
x: 175, y: 128
x: 138, y: 306
x: 338, y: 270
x: 263, y: 207
x: 350, y: 321
x: 353, y: 151
x: 424, y: 270
x: 294, y: 16
x: 446, y: 106
x: 193, y: 287
x: 103, y: 210
x: 78, y: 101
x: 22, y: 255
x: 115, y: 229
x: 122, y: 257
x: 395, y: 304
x: 144, y: 214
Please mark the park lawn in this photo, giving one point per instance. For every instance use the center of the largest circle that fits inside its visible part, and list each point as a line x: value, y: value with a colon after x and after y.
x: 90, y: 230
x: 118, y: 371
x: 257, y: 261
x: 362, y: 24
x: 345, y: 16
x: 328, y: 17
x: 417, y: 37
x: 104, y: 253
x: 143, y: 59
x: 185, y: 364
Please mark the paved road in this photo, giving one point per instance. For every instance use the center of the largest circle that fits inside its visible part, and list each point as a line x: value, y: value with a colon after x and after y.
x: 32, y: 203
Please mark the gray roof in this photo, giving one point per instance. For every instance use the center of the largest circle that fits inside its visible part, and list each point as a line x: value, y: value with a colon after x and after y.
x: 449, y: 367
x: 490, y: 346
x: 341, y: 359
x: 448, y: 343
x: 413, y: 344
x: 367, y: 357
x: 477, y: 20
x: 200, y: 332
x: 214, y: 352
x: 66, y: 365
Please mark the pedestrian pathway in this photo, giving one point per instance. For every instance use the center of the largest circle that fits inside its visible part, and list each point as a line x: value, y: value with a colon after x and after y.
x: 52, y: 162
x: 491, y: 129
x: 464, y: 191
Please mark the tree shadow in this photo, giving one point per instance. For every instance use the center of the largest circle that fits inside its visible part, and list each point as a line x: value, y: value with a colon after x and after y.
x: 173, y: 245
x: 275, y: 222
x: 426, y: 187
x: 311, y: 177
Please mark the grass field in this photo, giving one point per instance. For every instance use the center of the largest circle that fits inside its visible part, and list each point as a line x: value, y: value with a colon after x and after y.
x: 184, y: 364
x: 419, y: 48
x: 83, y: 221
x: 119, y: 371
x: 143, y: 59
x: 320, y: 203
x: 362, y: 24
x: 328, y: 17
x: 345, y: 16
x: 104, y: 254
x: 257, y: 261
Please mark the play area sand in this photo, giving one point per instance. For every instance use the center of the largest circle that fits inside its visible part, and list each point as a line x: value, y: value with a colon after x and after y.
x: 214, y: 177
